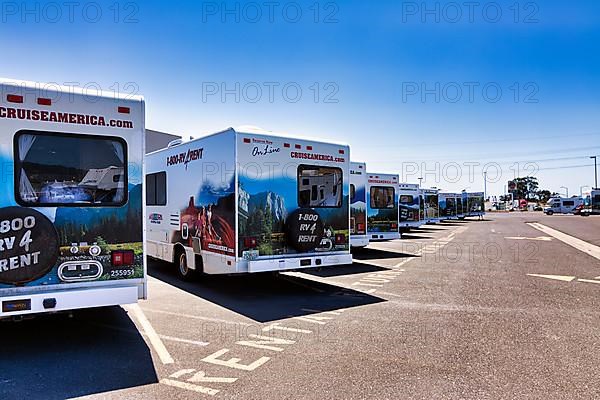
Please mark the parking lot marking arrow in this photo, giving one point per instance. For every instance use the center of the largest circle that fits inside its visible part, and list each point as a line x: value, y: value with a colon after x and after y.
x: 555, y: 277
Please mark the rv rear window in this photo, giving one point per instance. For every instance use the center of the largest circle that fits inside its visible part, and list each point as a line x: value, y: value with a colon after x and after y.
x: 382, y: 197
x: 156, y: 189
x: 58, y: 169
x: 407, y: 199
x: 319, y: 187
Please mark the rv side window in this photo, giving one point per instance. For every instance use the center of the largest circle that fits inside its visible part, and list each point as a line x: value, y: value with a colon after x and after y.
x: 58, y: 169
x: 382, y: 197
x: 406, y: 199
x: 568, y: 203
x: 319, y: 187
x: 156, y: 189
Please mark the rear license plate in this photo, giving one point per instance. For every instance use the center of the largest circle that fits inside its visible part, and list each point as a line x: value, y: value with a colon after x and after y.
x: 16, y: 305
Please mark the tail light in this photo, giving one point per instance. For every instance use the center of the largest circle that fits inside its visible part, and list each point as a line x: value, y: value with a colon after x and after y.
x: 394, y: 226
x: 340, y: 238
x: 122, y: 258
x: 250, y: 242
x: 360, y: 227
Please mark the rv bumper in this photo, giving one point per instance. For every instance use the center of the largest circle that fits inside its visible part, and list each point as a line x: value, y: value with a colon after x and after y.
x: 64, y: 300
x: 359, y: 241
x: 288, y: 264
x: 381, y: 236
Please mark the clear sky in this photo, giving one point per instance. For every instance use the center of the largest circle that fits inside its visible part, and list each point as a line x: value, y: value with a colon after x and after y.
x: 417, y: 88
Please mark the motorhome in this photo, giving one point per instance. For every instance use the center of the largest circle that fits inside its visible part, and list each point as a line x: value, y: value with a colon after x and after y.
x: 461, y: 205
x: 563, y: 205
x: 476, y: 204
x: 591, y: 203
x: 382, y: 206
x: 448, y: 206
x: 71, y: 215
x: 409, y: 201
x: 430, y: 207
x: 358, y: 205
x: 247, y: 200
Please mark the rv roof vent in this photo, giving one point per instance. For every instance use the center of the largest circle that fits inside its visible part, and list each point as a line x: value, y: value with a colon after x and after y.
x: 174, y: 143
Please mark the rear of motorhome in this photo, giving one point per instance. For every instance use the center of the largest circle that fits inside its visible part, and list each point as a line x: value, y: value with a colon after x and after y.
x: 409, y: 201
x: 430, y: 206
x: 71, y: 215
x: 358, y: 205
x: 591, y: 203
x: 563, y: 205
x: 475, y: 204
x: 448, y: 206
x: 382, y: 207
x: 246, y: 201
x: 461, y: 205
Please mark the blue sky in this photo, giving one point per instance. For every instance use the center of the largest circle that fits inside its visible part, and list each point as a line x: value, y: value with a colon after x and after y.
x: 370, y: 62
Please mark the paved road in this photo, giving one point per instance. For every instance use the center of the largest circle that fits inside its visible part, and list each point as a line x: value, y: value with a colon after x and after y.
x: 493, y: 309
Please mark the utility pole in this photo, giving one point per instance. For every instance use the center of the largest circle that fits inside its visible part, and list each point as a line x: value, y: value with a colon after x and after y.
x: 484, y: 186
x: 595, y: 171
x: 421, y: 182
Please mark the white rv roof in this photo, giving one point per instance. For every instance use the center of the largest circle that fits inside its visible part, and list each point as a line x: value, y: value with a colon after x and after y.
x: 55, y: 87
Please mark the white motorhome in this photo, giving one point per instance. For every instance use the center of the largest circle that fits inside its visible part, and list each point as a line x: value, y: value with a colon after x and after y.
x: 409, y: 200
x: 476, y: 204
x: 591, y: 203
x: 382, y: 207
x: 430, y: 208
x: 448, y: 206
x: 562, y: 205
x: 71, y: 215
x: 358, y: 205
x: 247, y: 200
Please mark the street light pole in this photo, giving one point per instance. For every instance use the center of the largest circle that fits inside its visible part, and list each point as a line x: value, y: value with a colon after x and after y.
x: 595, y: 171
x: 566, y: 188
x: 484, y: 186
x: 581, y: 190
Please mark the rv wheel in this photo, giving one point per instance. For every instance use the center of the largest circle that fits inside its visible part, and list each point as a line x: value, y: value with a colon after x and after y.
x: 550, y: 212
x: 183, y: 270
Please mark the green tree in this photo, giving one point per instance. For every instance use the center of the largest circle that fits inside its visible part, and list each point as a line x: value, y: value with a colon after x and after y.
x: 527, y: 188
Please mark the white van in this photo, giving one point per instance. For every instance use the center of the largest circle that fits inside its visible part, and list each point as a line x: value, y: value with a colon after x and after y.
x: 382, y: 207
x: 562, y: 205
x: 358, y: 205
x: 71, y: 215
x: 247, y: 200
x: 409, y: 201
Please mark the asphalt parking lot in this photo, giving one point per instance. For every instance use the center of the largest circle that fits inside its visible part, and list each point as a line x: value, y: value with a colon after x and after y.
x: 498, y: 309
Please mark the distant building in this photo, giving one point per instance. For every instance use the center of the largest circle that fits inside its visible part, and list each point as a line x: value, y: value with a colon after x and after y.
x: 156, y: 140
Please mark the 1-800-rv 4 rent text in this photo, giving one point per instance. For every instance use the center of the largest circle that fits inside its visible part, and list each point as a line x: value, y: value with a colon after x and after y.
x: 382, y: 207
x: 358, y: 205
x: 244, y: 201
x: 71, y: 214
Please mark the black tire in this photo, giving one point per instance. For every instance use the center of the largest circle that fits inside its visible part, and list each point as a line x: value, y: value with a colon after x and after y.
x: 181, y: 264
x: 550, y: 212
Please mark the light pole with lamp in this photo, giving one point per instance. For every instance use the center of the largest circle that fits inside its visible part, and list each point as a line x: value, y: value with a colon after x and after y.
x: 566, y: 188
x: 581, y: 189
x: 595, y: 171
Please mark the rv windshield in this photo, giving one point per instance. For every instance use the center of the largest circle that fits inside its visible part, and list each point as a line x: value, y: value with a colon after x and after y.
x: 55, y: 169
x: 320, y: 187
x: 382, y: 197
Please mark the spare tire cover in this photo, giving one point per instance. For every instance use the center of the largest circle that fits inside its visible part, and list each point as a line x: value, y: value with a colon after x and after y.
x: 28, y: 245
x: 304, y: 229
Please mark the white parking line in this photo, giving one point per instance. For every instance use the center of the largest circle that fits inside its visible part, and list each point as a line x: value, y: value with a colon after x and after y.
x: 186, y: 341
x: 579, y: 244
x: 224, y: 321
x: 136, y: 313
